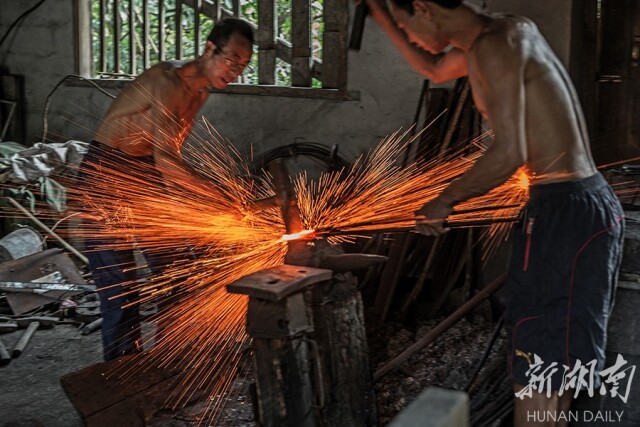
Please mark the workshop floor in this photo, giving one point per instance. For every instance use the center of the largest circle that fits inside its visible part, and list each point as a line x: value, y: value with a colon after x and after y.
x: 31, y: 394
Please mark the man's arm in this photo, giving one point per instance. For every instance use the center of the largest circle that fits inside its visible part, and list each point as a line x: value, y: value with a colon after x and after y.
x: 437, y: 68
x: 497, y: 66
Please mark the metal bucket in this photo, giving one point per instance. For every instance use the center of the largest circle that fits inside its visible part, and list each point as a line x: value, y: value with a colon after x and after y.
x: 21, y: 242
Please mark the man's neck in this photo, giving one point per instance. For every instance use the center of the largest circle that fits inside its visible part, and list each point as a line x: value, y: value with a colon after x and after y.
x: 466, y: 26
x: 191, y: 77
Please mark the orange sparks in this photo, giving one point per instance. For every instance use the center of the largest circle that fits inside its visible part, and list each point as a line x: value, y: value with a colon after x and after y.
x: 303, y: 235
x: 214, y: 238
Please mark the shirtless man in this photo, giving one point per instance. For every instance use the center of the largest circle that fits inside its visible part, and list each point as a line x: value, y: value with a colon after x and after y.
x: 147, y: 124
x: 565, y: 255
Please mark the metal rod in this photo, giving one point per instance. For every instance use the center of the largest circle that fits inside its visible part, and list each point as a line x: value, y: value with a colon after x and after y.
x: 132, y: 39
x: 24, y: 339
x: 5, y: 357
x: 447, y: 224
x: 117, y: 29
x: 49, y: 231
x: 442, y: 327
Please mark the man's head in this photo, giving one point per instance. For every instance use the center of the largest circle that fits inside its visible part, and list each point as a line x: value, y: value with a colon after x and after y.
x: 422, y: 20
x: 228, y: 51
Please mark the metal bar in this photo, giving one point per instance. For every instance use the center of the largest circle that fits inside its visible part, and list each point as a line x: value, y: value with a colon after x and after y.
x: 218, y: 7
x: 161, y: 21
x: 103, y: 36
x: 266, y: 40
x: 47, y: 286
x: 132, y: 38
x: 178, y: 17
x: 5, y: 357
x: 145, y: 35
x: 442, y: 327
x: 196, y: 28
x: 117, y: 25
x: 36, y: 221
x: 236, y: 8
x: 301, y: 43
x: 24, y: 339
x: 283, y: 47
x: 455, y: 224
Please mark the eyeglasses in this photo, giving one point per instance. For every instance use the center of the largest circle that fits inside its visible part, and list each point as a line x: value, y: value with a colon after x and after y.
x: 233, y: 64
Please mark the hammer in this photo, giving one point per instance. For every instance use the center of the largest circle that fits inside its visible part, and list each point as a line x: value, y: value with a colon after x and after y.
x: 355, y: 40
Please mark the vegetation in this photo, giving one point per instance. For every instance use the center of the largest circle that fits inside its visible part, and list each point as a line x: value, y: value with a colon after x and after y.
x: 191, y: 47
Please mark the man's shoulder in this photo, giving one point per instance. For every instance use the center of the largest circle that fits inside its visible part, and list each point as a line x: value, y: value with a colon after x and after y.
x: 504, y: 34
x: 161, y: 70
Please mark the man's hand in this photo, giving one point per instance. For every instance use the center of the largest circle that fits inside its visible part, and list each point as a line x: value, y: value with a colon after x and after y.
x: 430, y: 217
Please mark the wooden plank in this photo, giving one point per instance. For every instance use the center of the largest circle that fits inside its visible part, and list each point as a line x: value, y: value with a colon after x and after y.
x: 613, y: 83
x: 334, y: 44
x: 108, y: 394
x: 632, y: 148
x: 301, y: 43
x: 266, y: 40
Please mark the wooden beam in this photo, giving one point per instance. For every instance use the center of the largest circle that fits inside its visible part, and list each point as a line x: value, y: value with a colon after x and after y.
x: 283, y: 47
x: 266, y: 40
x: 301, y: 43
x: 334, y: 44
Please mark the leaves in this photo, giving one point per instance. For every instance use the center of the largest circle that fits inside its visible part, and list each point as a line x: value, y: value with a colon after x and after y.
x: 164, y: 33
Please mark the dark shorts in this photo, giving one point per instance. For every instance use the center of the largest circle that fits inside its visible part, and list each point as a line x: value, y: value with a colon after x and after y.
x: 101, y: 158
x: 562, y: 276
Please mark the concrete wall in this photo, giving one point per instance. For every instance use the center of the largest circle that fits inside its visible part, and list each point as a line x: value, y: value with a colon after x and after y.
x: 42, y: 49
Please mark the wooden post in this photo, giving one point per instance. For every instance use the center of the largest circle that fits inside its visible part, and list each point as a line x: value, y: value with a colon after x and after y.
x: 339, y: 331
x: 266, y: 39
x: 334, y: 44
x: 301, y: 43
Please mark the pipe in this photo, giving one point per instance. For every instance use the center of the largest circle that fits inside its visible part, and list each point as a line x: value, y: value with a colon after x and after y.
x: 49, y: 231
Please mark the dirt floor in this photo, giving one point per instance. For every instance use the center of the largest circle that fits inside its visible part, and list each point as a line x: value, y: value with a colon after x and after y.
x: 31, y: 394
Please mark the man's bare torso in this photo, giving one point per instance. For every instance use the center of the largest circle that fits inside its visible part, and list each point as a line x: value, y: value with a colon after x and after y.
x: 557, y: 145
x: 156, y: 110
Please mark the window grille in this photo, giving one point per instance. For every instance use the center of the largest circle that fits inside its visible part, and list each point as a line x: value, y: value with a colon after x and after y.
x: 300, y: 43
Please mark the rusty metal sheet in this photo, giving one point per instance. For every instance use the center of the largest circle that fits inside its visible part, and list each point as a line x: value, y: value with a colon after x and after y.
x: 46, y: 266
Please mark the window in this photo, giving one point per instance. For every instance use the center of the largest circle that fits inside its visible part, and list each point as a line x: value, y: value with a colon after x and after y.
x: 300, y: 43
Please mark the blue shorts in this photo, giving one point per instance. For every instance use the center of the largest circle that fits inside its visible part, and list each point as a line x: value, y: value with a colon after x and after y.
x: 562, y: 276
